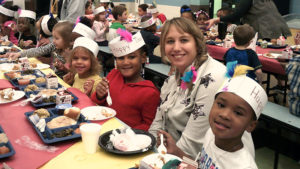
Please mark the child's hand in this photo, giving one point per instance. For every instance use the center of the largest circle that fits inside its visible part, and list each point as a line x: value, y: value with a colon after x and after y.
x: 88, y: 86
x: 101, y: 89
x: 69, y: 78
x: 170, y: 144
x: 28, y: 43
x: 59, y: 65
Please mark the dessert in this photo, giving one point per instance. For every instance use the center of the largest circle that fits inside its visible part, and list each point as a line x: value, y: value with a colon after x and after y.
x: 7, y: 93
x: 60, y: 121
x: 29, y: 77
x: 42, y: 113
x: 4, y: 150
x: 33, y: 65
x: 73, y: 113
x: 40, y: 80
x: 23, y: 81
x: 48, y: 92
x: 31, y: 88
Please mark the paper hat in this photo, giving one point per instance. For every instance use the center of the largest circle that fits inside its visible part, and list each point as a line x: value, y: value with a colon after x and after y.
x: 249, y: 90
x: 85, y: 31
x: 88, y: 43
x: 99, y: 10
x: 103, y: 1
x: 148, y: 23
x: 27, y: 14
x: 152, y: 11
x: 120, y: 47
x: 6, y: 11
x: 44, y: 25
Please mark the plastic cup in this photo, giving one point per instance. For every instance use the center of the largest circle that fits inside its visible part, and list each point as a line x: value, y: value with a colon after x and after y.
x: 90, y: 134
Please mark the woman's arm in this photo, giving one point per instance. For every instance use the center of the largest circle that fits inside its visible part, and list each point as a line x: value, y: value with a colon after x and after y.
x: 40, y: 51
x: 241, y: 9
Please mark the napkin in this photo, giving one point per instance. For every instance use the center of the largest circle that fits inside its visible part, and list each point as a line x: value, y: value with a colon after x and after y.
x: 253, y: 43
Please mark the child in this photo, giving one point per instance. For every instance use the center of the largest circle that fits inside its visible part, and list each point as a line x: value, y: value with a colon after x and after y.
x: 160, y: 17
x: 236, y: 109
x: 202, y: 16
x: 224, y: 12
x: 82, y: 29
x: 105, y: 4
x: 100, y: 26
x: 26, y: 35
x: 84, y: 64
x: 186, y: 12
x: 142, y: 10
x: 148, y: 26
x: 242, y: 36
x: 8, y: 25
x: 134, y: 98
x: 120, y: 14
x: 45, y: 26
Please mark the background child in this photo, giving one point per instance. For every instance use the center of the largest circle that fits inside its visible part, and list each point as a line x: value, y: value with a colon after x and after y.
x: 26, y: 29
x: 8, y: 25
x: 85, y: 68
x: 224, y: 12
x: 105, y: 4
x: 186, y: 12
x: 148, y: 25
x: 100, y: 26
x: 89, y: 10
x: 202, y: 16
x: 120, y: 14
x: 134, y: 98
x: 142, y: 10
x: 44, y: 26
x: 160, y: 17
x: 242, y: 36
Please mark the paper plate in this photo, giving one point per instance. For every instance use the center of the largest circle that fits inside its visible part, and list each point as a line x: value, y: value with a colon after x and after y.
x: 155, y: 159
x: 42, y: 66
x: 272, y: 55
x: 18, y: 95
x: 9, y: 66
x: 98, y: 113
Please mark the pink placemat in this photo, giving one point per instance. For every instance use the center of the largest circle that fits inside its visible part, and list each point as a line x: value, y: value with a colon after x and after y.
x: 5, y: 84
x: 16, y: 126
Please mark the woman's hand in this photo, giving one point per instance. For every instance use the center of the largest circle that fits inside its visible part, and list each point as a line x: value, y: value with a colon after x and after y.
x: 101, y: 89
x: 211, y: 22
x: 69, y: 78
x: 88, y: 86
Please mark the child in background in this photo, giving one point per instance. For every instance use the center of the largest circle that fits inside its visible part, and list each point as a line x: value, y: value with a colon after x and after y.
x: 134, y: 98
x: 160, y: 17
x: 8, y: 25
x: 243, y: 36
x: 44, y: 26
x: 142, y: 10
x: 224, y: 12
x: 85, y: 69
x: 100, y: 26
x: 105, y: 4
x: 148, y: 25
x: 89, y: 11
x: 26, y: 27
x: 186, y: 12
x: 120, y: 14
x: 202, y: 16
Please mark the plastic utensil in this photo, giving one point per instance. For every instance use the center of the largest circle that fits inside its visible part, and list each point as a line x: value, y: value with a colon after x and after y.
x: 108, y: 98
x: 161, y: 148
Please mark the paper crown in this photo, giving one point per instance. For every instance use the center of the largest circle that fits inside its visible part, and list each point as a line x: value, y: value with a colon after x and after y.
x: 247, y: 89
x: 152, y: 11
x: 44, y: 25
x: 84, y: 31
x: 27, y: 14
x: 107, y: 1
x: 6, y: 11
x: 148, y: 22
x: 120, y: 47
x: 99, y: 10
x: 87, y: 43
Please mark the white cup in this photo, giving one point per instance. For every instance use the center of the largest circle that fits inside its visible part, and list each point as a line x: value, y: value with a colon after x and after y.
x: 90, y: 135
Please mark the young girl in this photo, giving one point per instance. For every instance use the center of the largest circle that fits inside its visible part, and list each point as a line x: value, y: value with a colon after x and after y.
x: 26, y: 35
x: 100, y: 26
x: 45, y: 25
x: 186, y: 12
x: 85, y: 69
x: 160, y: 17
x: 202, y: 16
x: 8, y: 25
x: 105, y: 4
x: 89, y: 10
x: 134, y: 98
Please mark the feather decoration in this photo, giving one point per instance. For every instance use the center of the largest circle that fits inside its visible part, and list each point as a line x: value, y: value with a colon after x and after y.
x: 125, y: 35
x: 230, y: 68
x: 188, y: 76
x: 3, y: 2
x: 19, y: 11
x: 77, y: 20
x: 241, y: 70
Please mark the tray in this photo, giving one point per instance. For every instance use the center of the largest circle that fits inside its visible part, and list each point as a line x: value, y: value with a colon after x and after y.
x: 8, y: 144
x: 47, y: 137
x: 37, y: 73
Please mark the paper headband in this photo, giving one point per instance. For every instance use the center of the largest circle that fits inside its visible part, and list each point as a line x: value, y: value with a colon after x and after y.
x: 148, y: 22
x: 152, y: 11
x: 104, y: 1
x: 99, y: 10
x: 87, y: 43
x: 6, y: 11
x: 44, y: 25
x: 121, y: 46
x: 84, y: 31
x: 27, y: 14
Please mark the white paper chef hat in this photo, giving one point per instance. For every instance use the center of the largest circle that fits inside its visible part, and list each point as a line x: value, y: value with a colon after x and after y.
x: 247, y: 89
x: 44, y: 25
x: 122, y: 46
x: 85, y: 31
x: 99, y: 10
x: 152, y: 11
x: 103, y: 1
x: 6, y: 11
x: 27, y: 14
x: 148, y: 22
x: 88, y: 43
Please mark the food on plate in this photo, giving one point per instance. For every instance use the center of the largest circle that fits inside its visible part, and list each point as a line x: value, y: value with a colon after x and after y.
x: 3, y: 138
x: 40, y: 80
x: 49, y: 99
x: 5, y: 43
x: 7, y: 94
x: 269, y: 55
x: 105, y: 113
x: 218, y: 40
x: 48, y: 92
x: 33, y: 65
x: 16, y: 67
x: 60, y: 121
x: 42, y: 113
x: 14, y: 49
x: 63, y: 133
x: 29, y: 77
x: 31, y: 88
x: 4, y: 150
x: 73, y: 112
x: 28, y: 72
x: 23, y: 81
x: 13, y: 75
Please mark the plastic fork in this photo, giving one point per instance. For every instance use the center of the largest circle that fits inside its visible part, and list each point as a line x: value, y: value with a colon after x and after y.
x: 108, y: 98
x: 161, y: 148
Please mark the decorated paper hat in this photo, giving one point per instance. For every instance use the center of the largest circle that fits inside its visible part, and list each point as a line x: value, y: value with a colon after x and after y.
x: 99, y: 10
x: 152, y: 11
x: 104, y: 1
x: 27, y: 14
x: 6, y: 11
x: 84, y: 30
x: 44, y: 24
x: 87, y: 43
x: 148, y: 22
x: 126, y: 43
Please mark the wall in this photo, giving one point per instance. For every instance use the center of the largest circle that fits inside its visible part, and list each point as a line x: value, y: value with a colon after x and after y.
x: 295, y: 6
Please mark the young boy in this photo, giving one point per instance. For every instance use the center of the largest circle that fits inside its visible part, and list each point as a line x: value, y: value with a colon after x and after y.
x: 235, y: 110
x: 242, y: 36
x: 120, y: 14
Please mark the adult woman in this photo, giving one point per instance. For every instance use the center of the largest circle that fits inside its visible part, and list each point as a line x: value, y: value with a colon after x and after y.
x: 262, y: 15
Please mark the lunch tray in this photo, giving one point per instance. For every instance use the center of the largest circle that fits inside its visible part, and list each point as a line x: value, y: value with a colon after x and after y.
x: 8, y: 144
x: 14, y: 81
x: 47, y: 136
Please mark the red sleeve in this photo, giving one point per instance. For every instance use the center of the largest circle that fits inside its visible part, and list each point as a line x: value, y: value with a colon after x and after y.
x: 101, y: 102
x: 162, y: 18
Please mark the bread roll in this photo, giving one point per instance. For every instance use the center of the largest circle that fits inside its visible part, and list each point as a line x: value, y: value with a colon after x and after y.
x: 4, y: 150
x: 73, y: 113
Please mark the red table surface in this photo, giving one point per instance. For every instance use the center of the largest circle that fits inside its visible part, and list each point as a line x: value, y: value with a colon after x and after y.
x: 269, y: 65
x: 15, y: 125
